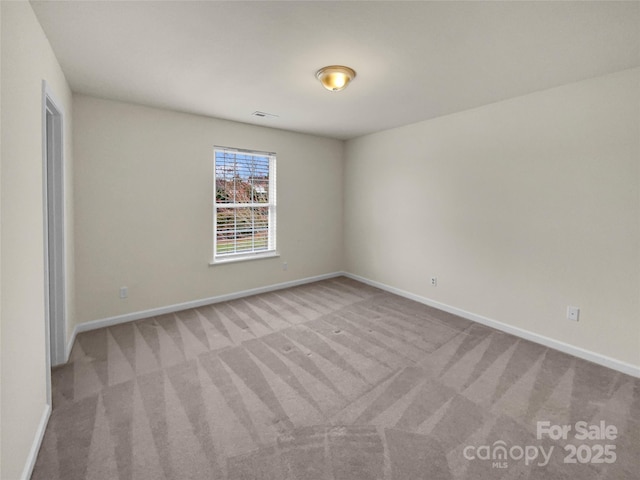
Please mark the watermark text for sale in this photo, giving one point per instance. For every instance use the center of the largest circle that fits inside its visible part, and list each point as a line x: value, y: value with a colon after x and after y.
x: 599, y: 446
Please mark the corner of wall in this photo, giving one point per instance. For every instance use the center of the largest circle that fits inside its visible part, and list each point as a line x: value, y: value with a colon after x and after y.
x: 26, y: 59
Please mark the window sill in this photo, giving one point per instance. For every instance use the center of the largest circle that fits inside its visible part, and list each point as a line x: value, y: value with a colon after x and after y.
x: 243, y: 258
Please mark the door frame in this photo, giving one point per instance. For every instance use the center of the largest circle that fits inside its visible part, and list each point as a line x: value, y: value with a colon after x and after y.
x: 55, y: 275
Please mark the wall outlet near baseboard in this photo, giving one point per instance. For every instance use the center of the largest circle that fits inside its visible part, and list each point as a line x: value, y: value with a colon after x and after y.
x: 434, y: 281
x: 124, y: 292
x: 573, y: 313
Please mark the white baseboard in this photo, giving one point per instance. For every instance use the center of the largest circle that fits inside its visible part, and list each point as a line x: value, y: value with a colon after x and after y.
x: 594, y: 357
x: 37, y: 441
x: 582, y: 353
x: 129, y: 317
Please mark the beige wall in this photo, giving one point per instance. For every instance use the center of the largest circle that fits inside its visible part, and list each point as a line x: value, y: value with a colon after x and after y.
x: 27, y: 59
x: 520, y: 208
x: 0, y: 242
x: 143, y: 191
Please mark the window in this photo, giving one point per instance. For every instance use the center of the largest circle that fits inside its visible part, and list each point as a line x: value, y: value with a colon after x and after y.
x: 244, y: 216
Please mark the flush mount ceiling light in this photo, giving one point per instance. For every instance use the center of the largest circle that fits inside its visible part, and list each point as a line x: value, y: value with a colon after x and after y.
x: 335, y: 77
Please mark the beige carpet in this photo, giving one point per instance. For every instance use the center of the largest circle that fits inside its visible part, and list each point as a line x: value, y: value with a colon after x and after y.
x: 329, y: 381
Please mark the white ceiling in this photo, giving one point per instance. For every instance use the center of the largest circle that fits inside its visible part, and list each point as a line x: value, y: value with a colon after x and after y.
x: 415, y: 60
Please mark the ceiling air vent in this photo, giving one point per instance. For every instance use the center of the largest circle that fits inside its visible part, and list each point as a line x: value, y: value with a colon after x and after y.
x: 264, y: 115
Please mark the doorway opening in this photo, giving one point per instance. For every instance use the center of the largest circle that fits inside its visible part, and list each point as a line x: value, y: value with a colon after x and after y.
x: 54, y: 239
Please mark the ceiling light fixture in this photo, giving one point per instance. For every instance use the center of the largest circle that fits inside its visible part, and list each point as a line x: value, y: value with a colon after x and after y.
x: 335, y: 77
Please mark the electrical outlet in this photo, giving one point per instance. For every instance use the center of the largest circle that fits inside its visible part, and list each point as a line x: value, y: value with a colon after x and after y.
x: 434, y: 281
x: 124, y: 292
x: 573, y: 313
x: 285, y: 266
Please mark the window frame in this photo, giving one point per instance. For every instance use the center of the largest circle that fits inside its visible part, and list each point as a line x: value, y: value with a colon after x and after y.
x: 271, y: 204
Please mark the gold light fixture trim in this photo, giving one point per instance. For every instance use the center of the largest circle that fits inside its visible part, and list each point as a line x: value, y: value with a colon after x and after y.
x: 335, y: 77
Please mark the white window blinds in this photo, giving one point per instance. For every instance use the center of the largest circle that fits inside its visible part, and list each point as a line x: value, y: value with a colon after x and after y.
x: 244, y: 203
